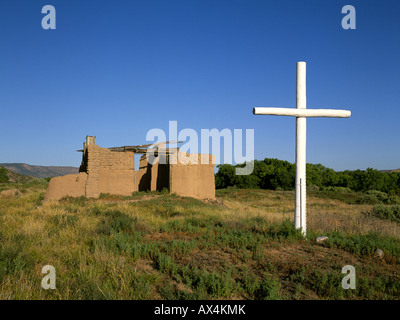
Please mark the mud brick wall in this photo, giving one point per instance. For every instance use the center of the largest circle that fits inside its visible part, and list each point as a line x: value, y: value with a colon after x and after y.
x: 151, y: 177
x: 71, y: 185
x: 142, y: 176
x: 159, y: 176
x: 93, y: 170
x: 110, y: 160
x: 193, y: 180
x: 109, y: 172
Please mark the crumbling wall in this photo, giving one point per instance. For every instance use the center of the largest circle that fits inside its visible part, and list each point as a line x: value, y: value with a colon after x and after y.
x: 71, y: 185
x: 160, y: 176
x: 93, y: 170
x: 143, y: 175
x: 193, y: 180
x: 116, y: 174
x: 151, y: 177
x: 109, y: 172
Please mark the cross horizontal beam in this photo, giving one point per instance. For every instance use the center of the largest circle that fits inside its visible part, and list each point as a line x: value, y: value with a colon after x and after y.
x: 306, y: 113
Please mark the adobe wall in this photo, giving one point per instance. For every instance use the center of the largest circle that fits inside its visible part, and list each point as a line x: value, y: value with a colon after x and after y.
x: 151, y: 177
x: 71, y: 185
x: 159, y: 176
x: 109, y: 172
x: 193, y: 180
x: 143, y: 175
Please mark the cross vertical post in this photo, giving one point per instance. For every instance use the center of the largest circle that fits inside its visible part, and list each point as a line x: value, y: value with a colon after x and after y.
x: 301, y: 137
x: 301, y: 113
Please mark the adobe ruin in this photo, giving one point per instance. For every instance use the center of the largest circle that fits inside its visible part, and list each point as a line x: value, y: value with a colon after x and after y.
x: 112, y: 171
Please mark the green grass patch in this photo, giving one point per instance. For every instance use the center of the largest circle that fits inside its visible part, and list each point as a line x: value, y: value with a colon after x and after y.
x: 364, y: 245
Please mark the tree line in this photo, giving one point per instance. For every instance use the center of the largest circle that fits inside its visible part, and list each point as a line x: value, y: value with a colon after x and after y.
x: 277, y: 174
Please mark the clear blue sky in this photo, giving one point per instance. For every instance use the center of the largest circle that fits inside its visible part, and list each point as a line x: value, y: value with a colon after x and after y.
x: 116, y: 69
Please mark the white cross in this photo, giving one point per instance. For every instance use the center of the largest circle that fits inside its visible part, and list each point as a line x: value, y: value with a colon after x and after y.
x: 301, y: 113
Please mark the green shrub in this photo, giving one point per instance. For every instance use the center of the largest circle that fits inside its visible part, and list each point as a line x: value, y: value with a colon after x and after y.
x: 114, y: 222
x: 269, y: 289
x: 338, y: 189
x: 3, y: 175
x: 285, y: 230
x: 328, y: 284
x: 376, y: 197
x: 391, y: 213
x: 165, y: 264
x: 368, y: 199
x: 382, y: 196
x: 393, y: 199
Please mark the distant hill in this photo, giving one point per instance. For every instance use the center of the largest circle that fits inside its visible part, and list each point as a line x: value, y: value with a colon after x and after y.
x: 39, y: 171
x: 10, y: 176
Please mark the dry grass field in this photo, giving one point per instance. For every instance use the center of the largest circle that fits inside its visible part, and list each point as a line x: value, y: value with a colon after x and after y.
x: 156, y: 246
